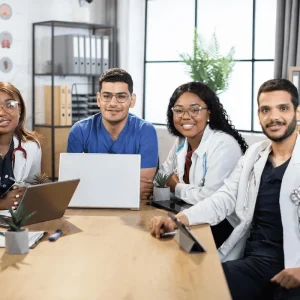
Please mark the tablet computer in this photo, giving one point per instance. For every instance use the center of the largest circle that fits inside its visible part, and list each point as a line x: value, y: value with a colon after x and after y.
x: 197, y: 246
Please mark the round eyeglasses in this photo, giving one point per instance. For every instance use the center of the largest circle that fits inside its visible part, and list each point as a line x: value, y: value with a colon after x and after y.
x: 10, y: 107
x: 192, y: 111
x: 120, y: 97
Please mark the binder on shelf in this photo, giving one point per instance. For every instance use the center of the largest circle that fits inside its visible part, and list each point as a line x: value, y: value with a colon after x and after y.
x: 105, y: 53
x: 81, y: 54
x: 59, y: 108
x: 66, y: 54
x: 68, y: 106
x: 98, y: 55
x: 93, y: 56
x: 87, y: 55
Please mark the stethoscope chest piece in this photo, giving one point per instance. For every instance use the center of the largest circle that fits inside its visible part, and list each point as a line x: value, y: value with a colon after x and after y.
x: 295, y: 196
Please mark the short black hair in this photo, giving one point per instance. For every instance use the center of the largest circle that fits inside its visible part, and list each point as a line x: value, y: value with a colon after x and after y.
x: 116, y: 75
x: 280, y: 85
x: 219, y: 119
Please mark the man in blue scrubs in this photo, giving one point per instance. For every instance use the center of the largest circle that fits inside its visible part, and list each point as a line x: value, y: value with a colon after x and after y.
x: 115, y: 130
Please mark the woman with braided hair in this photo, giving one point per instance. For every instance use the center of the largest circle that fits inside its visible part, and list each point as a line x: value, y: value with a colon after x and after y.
x: 206, y: 150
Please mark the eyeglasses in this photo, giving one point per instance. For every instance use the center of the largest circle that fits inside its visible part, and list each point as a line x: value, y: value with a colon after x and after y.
x: 295, y: 197
x: 120, y: 97
x: 192, y: 111
x: 10, y: 107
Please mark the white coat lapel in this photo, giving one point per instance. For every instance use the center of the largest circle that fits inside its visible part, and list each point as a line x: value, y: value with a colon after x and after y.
x: 289, y: 216
x: 259, y: 166
x: 181, y: 154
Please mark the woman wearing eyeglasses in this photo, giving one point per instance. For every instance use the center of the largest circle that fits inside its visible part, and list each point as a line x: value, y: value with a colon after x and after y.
x: 206, y: 150
x: 20, y: 152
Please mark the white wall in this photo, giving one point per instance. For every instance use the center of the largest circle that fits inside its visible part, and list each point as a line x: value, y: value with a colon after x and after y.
x: 26, y: 12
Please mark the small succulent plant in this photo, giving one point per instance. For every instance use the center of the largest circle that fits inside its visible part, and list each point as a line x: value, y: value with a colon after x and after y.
x: 18, y: 218
x: 161, y: 179
x: 40, y: 178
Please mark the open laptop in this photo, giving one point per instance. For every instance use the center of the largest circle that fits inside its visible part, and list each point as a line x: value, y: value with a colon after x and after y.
x: 106, y: 180
x: 48, y: 200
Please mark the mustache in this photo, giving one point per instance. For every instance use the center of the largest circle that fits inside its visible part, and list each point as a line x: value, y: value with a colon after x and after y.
x: 276, y: 123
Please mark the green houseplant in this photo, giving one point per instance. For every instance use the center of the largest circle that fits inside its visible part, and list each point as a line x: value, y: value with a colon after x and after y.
x: 160, y: 190
x: 207, y: 65
x: 16, y: 238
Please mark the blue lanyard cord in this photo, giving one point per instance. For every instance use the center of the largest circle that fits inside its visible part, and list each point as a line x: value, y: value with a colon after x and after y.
x: 204, y: 165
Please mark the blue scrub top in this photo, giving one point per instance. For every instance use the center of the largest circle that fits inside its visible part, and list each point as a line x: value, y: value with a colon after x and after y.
x: 137, y: 137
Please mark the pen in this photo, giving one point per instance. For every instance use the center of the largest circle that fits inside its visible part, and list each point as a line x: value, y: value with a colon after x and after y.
x: 53, y: 237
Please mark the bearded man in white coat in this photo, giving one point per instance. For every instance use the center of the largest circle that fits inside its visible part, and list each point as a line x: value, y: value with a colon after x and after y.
x: 261, y: 258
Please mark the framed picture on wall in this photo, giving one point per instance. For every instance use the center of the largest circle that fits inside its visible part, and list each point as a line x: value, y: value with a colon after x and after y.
x: 294, y: 77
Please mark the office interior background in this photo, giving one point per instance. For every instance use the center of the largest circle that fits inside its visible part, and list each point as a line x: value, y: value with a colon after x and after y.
x: 151, y: 35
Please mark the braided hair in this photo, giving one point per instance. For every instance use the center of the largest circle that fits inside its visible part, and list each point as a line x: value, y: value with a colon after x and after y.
x: 219, y: 119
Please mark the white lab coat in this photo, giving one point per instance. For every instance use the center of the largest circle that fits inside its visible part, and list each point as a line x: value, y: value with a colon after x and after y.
x: 238, y: 197
x: 222, y: 154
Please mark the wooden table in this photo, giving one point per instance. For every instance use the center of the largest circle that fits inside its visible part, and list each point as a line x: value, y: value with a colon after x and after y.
x: 109, y: 254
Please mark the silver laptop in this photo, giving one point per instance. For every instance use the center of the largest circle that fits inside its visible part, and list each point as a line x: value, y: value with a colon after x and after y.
x: 49, y: 201
x: 106, y: 180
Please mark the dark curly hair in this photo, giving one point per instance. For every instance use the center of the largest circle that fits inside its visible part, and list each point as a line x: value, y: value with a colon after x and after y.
x: 219, y: 119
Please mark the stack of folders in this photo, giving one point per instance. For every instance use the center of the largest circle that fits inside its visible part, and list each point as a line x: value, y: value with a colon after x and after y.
x: 84, y: 105
x: 81, y: 54
x: 62, y: 105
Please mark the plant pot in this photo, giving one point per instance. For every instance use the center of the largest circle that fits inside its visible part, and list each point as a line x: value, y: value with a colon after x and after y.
x: 160, y: 194
x: 17, y: 242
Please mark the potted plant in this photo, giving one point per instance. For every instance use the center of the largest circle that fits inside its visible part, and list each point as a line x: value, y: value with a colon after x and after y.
x: 207, y: 65
x: 160, y: 190
x: 40, y: 178
x: 16, y: 237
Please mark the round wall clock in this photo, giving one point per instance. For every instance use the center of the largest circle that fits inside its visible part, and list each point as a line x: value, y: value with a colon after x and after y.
x: 5, y: 11
x: 5, y: 64
x: 5, y: 39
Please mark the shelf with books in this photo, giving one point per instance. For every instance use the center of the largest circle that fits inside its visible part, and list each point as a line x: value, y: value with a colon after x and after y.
x: 68, y: 58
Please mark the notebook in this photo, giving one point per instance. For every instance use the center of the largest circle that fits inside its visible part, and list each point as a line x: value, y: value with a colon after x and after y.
x: 34, y: 238
x: 106, y: 180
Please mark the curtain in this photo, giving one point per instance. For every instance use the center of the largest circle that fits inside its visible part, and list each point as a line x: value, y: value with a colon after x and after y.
x: 287, y: 40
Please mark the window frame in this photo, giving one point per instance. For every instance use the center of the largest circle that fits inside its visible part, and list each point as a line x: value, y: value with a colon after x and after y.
x: 253, y: 60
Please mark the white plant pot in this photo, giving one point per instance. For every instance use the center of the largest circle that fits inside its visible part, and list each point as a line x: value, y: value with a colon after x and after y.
x: 160, y: 194
x: 17, y: 242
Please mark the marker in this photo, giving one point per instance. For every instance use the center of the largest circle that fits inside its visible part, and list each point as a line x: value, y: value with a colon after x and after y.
x: 53, y: 237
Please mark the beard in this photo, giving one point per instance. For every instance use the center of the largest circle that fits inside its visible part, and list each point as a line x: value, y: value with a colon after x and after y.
x: 289, y: 131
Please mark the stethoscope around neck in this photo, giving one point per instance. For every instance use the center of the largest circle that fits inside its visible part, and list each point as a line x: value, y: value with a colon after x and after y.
x: 13, y: 159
